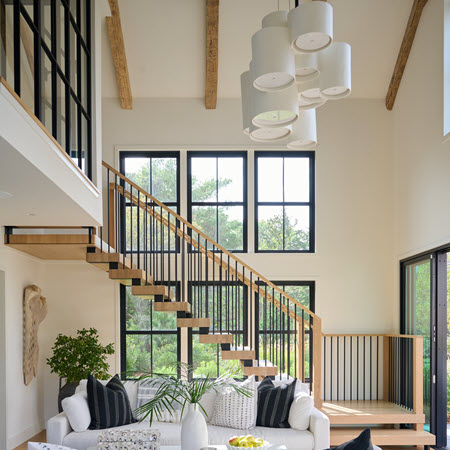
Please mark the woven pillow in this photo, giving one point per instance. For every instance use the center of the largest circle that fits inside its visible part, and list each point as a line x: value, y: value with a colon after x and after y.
x: 234, y: 410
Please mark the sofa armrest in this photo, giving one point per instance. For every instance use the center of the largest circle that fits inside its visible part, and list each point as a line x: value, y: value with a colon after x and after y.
x: 319, y: 425
x: 58, y: 427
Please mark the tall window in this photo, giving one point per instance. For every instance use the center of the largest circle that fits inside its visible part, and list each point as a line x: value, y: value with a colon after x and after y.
x: 149, y: 339
x: 157, y: 173
x: 45, y: 53
x: 217, y: 196
x: 284, y: 202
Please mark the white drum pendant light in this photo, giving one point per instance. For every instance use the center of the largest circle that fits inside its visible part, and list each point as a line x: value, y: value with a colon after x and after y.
x: 304, y: 132
x: 306, y: 67
x: 274, y: 109
x: 311, y: 26
x: 273, y: 61
x: 309, y: 91
x: 275, y: 19
x: 245, y: 99
x: 336, y: 71
x: 269, y: 135
x: 304, y: 105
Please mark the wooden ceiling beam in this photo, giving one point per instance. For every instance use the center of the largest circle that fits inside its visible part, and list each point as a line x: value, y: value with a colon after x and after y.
x: 405, y: 49
x: 116, y: 42
x: 212, y: 53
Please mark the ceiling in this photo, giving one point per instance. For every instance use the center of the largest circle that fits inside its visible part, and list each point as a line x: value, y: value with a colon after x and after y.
x: 165, y: 44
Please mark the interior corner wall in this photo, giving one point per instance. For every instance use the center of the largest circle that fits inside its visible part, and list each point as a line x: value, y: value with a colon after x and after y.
x: 354, y: 177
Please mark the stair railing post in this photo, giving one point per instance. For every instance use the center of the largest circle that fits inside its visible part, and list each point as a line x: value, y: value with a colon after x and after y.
x: 317, y: 362
x: 418, y: 378
x: 386, y: 368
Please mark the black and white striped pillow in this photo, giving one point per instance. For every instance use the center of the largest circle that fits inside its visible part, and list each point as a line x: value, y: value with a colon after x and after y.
x: 109, y: 405
x: 274, y: 403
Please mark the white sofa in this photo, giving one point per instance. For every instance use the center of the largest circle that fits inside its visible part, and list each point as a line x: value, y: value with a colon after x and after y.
x: 317, y: 437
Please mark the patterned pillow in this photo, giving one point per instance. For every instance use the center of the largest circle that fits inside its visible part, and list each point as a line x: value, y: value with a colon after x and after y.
x: 234, y: 410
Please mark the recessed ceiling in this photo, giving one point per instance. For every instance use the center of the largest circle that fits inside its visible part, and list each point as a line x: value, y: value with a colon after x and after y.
x: 165, y: 44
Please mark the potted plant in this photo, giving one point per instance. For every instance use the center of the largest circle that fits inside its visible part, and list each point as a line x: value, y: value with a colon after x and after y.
x: 74, y: 358
x: 171, y: 390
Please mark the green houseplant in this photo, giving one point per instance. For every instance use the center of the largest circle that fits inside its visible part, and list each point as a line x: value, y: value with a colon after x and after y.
x: 74, y: 358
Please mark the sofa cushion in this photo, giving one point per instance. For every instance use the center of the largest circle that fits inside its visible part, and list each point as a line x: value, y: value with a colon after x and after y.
x: 109, y: 405
x: 300, y: 411
x: 76, y: 408
x: 362, y: 442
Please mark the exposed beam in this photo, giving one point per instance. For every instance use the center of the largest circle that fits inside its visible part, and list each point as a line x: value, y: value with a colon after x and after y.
x: 212, y: 52
x: 118, y: 54
x: 405, y: 49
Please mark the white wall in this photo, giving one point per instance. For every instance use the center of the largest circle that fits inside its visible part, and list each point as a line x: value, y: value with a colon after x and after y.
x: 2, y: 360
x: 353, y: 263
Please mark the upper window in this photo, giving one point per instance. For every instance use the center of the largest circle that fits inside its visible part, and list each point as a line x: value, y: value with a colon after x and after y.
x: 217, y: 196
x: 284, y: 202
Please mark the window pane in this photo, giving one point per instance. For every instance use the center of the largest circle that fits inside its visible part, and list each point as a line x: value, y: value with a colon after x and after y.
x: 60, y: 37
x: 300, y: 293
x: 296, y: 179
x: 205, y: 219
x: 231, y: 227
x: 139, y: 354
x: 296, y: 228
x: 203, y: 173
x: 46, y: 23
x: 270, y: 179
x: 83, y: 76
x: 204, y: 358
x: 164, y: 179
x: 73, y: 59
x: 138, y: 171
x: 138, y: 313
x: 231, y: 179
x: 270, y: 228
x: 164, y: 352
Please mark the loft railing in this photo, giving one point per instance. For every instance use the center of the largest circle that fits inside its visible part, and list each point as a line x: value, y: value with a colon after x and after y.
x: 45, y: 55
x: 238, y: 300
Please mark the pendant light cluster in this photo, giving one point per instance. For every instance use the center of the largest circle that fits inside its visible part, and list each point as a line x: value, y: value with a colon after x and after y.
x: 295, y: 68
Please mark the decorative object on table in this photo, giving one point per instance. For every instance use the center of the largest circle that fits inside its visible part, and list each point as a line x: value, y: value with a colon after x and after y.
x: 109, y: 404
x: 34, y: 312
x: 129, y: 440
x: 362, y: 442
x: 274, y: 403
x: 43, y: 446
x: 172, y: 391
x: 74, y: 358
x: 295, y: 66
x: 248, y: 441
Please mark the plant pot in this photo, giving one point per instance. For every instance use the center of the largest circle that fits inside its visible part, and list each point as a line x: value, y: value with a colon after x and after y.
x: 66, y: 391
x: 194, y: 432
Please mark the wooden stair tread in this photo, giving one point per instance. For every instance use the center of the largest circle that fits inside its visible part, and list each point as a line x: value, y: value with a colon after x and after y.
x: 149, y: 292
x: 355, y: 412
x: 238, y: 353
x: 194, y: 323
x: 102, y: 260
x: 172, y: 306
x: 384, y: 436
x: 265, y: 368
x: 125, y: 276
x: 215, y: 338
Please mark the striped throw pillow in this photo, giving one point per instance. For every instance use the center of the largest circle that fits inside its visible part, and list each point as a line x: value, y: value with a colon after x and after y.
x: 109, y: 405
x: 274, y: 403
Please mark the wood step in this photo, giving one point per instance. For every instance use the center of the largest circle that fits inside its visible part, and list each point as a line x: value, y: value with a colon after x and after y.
x: 102, y: 260
x: 194, y: 323
x: 382, y: 436
x: 149, y: 292
x: 215, y: 338
x: 128, y: 277
x: 238, y: 353
x: 265, y: 368
x: 172, y: 306
x: 356, y: 412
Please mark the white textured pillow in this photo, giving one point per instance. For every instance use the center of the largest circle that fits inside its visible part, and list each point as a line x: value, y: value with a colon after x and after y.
x: 76, y: 408
x: 234, y: 410
x: 300, y: 412
x: 208, y: 401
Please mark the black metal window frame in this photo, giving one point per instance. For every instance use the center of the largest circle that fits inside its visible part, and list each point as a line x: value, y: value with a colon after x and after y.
x: 58, y: 73
x: 311, y: 203
x: 124, y: 332
x: 123, y: 155
x: 244, y: 203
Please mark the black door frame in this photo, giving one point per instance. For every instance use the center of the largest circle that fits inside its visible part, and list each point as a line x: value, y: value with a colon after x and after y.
x: 438, y: 347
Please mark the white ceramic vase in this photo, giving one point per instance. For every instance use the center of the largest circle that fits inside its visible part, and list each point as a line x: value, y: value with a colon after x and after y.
x: 194, y: 432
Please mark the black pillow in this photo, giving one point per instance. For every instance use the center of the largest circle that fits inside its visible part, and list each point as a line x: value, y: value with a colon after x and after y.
x: 362, y: 442
x: 274, y: 403
x: 109, y: 405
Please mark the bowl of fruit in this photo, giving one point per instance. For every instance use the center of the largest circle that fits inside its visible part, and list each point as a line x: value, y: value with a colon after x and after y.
x: 248, y: 441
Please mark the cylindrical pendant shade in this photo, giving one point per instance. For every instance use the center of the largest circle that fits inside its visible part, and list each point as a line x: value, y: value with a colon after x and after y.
x: 309, y: 91
x: 306, y: 67
x: 335, y: 71
x: 269, y: 135
x: 311, y: 26
x: 275, y: 19
x: 304, y: 105
x: 274, y: 109
x: 273, y: 61
x: 245, y: 99
x: 304, y: 132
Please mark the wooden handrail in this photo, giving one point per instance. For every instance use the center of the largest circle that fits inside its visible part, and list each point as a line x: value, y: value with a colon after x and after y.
x: 207, y: 238
x: 410, y: 336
